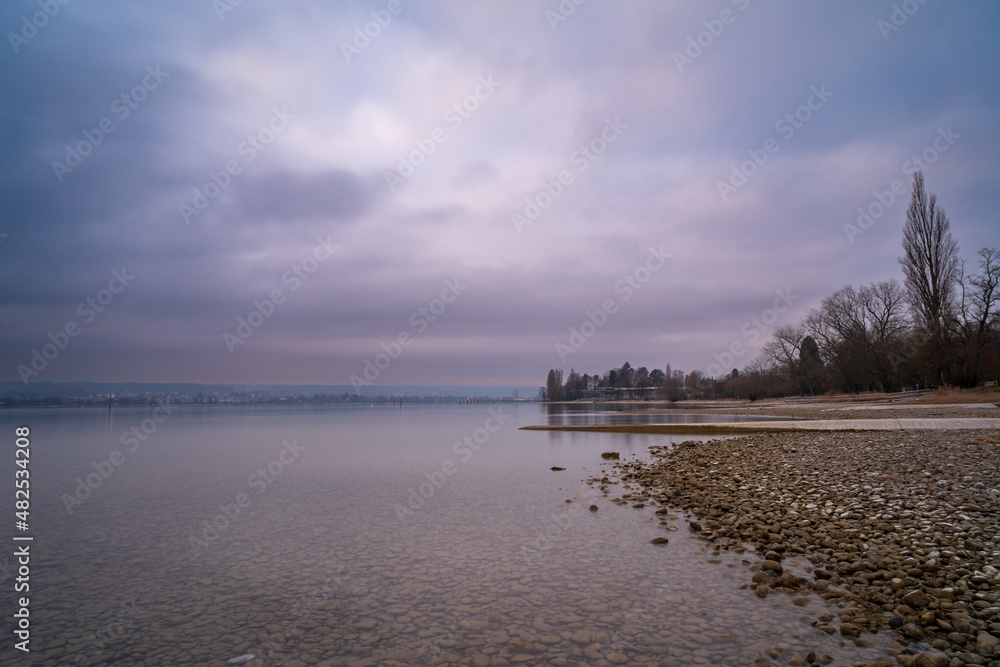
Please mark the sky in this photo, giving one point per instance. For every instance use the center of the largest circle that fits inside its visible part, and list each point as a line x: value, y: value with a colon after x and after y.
x: 394, y: 192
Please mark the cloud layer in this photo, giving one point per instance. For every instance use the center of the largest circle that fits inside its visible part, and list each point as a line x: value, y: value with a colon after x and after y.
x: 532, y: 153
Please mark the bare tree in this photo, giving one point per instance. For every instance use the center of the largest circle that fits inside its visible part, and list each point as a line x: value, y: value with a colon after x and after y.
x: 883, y: 304
x: 783, y: 351
x: 980, y: 297
x: 931, y: 266
x: 858, y: 331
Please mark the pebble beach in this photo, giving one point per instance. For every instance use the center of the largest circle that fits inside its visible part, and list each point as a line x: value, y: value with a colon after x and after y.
x: 898, y: 530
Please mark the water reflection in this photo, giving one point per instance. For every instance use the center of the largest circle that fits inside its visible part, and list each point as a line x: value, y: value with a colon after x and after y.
x: 583, y: 414
x: 499, y: 562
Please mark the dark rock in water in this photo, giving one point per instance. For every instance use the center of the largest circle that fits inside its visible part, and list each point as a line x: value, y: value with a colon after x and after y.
x: 611, y: 455
x: 849, y: 630
x: 896, y: 622
x: 694, y: 527
x: 773, y: 566
x: 557, y: 468
x: 912, y: 631
x: 659, y: 540
x: 593, y: 508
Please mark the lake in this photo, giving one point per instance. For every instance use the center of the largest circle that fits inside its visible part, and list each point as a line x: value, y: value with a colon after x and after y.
x: 381, y: 535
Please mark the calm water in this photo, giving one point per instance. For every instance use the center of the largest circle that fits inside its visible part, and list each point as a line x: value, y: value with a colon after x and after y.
x: 364, y: 536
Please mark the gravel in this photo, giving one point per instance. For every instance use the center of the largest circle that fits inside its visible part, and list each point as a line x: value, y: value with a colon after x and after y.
x: 901, y: 529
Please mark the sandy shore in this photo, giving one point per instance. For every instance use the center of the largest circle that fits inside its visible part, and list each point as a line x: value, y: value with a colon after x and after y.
x: 739, y: 428
x: 901, y: 526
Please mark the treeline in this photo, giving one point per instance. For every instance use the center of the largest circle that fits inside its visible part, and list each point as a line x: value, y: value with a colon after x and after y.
x: 625, y: 382
x: 939, y: 326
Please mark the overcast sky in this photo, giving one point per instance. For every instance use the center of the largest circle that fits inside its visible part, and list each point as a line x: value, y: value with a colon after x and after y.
x: 502, y: 165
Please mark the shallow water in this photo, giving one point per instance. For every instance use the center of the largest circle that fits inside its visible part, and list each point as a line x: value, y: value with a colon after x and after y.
x: 378, y: 535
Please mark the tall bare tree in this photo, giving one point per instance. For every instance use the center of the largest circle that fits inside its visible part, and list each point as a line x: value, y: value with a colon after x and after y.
x: 931, y: 266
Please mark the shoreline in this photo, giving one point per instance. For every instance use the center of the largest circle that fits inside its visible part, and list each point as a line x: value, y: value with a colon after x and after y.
x: 779, y: 426
x: 900, y: 528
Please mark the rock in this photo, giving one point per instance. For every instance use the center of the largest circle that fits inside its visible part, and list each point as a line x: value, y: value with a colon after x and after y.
x: 849, y: 630
x: 557, y: 468
x: 912, y: 631
x: 694, y: 527
x: 916, y: 599
x: 241, y: 659
x: 987, y: 640
x: 772, y: 566
x: 593, y: 508
x: 659, y: 540
x: 615, y: 456
x: 481, y: 660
